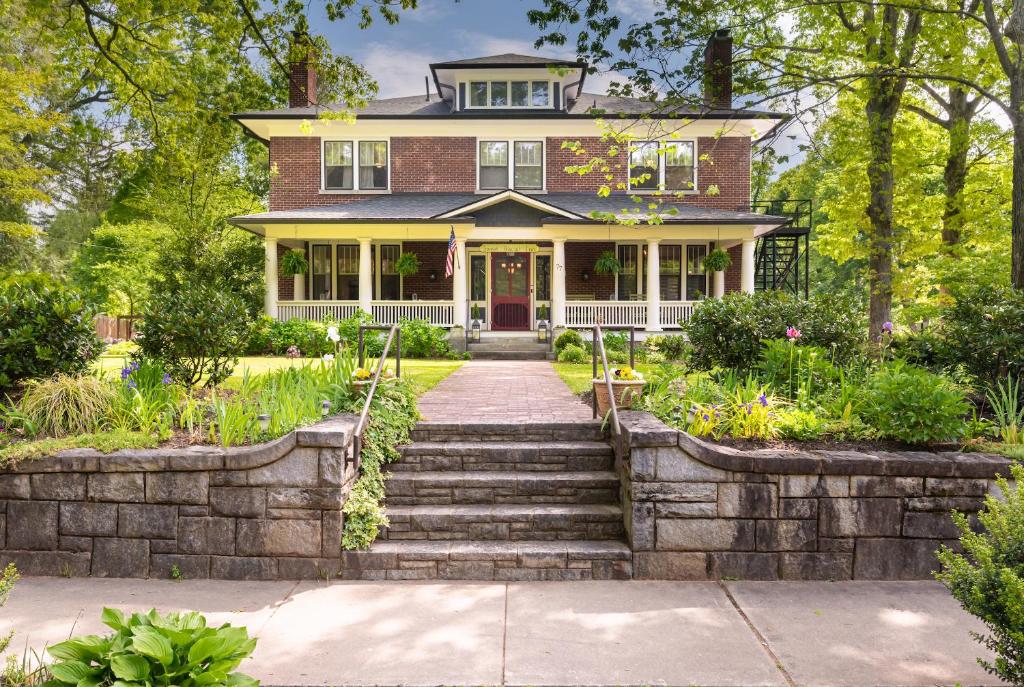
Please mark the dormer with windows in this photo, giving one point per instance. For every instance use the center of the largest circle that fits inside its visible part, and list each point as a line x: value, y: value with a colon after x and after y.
x: 509, y: 83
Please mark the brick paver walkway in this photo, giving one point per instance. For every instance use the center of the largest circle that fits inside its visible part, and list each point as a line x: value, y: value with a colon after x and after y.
x: 503, y: 391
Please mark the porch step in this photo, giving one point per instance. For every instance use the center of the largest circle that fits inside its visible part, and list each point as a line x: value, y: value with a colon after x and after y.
x: 499, y: 487
x: 527, y: 456
x: 509, y: 355
x: 506, y: 432
x: 509, y: 348
x: 489, y: 560
x: 511, y: 522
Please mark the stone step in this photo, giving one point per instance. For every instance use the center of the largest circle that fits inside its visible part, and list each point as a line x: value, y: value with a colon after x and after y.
x: 489, y: 560
x: 514, y: 522
x: 516, y: 344
x: 444, y: 488
x: 549, y: 456
x: 509, y: 354
x: 518, y: 431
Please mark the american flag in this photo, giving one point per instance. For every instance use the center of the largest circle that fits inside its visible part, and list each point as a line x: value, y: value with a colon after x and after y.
x: 449, y: 262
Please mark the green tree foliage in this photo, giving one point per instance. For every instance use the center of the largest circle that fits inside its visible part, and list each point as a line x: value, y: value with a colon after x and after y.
x: 987, y: 578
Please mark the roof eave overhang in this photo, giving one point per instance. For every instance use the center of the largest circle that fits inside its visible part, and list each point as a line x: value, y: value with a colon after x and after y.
x: 515, y: 196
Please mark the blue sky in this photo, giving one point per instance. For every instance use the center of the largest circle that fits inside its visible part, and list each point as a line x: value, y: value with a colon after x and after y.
x: 397, y: 56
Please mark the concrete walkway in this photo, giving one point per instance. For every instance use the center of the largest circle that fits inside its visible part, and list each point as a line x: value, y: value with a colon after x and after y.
x: 549, y: 633
x: 503, y: 391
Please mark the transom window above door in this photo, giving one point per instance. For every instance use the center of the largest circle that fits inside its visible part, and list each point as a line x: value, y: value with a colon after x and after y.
x: 509, y: 94
x: 342, y: 159
x: 662, y: 165
x: 524, y: 168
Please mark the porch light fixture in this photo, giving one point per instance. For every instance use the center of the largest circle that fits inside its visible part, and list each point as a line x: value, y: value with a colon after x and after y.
x: 474, y: 332
x: 542, y: 331
x: 585, y: 275
x: 325, y: 408
x: 264, y: 422
x: 433, y: 275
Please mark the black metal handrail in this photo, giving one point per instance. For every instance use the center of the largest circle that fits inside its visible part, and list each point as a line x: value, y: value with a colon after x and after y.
x: 394, y: 334
x: 632, y: 352
x: 598, y: 346
x: 382, y: 328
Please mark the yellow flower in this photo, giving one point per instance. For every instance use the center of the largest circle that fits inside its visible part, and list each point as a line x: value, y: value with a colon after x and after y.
x: 361, y: 373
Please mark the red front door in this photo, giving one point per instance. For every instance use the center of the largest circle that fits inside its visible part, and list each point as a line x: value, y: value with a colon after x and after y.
x: 510, y: 291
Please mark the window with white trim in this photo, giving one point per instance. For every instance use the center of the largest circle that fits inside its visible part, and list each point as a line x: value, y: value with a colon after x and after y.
x: 355, y: 165
x: 509, y: 94
x: 696, y: 276
x: 348, y: 272
x: 667, y: 165
x: 522, y: 170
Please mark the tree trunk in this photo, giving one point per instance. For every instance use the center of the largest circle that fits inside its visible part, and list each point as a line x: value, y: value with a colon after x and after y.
x: 1017, y: 198
x: 881, y: 114
x: 955, y: 173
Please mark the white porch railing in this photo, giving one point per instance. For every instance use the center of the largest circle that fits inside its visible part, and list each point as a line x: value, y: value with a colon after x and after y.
x: 316, y: 310
x: 612, y: 313
x: 440, y: 313
x: 672, y: 312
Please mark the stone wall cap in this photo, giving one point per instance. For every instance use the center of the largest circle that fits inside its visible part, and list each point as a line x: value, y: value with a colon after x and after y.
x: 644, y: 429
x: 331, y: 433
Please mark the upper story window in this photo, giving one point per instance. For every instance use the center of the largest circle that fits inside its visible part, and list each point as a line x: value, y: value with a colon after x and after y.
x: 524, y: 167
x: 509, y: 94
x: 342, y: 159
x: 667, y: 166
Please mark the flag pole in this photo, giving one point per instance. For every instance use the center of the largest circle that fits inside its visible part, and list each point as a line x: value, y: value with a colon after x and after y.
x: 457, y: 261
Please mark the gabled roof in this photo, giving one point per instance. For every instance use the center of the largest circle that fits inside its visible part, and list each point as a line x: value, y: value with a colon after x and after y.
x: 444, y: 207
x: 507, y: 59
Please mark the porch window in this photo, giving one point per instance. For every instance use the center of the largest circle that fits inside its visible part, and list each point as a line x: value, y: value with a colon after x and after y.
x: 478, y: 281
x: 373, y: 165
x: 670, y: 268
x: 390, y: 280
x: 499, y: 94
x: 478, y: 94
x: 629, y: 276
x: 539, y: 93
x: 696, y: 279
x: 529, y: 163
x: 338, y: 165
x: 348, y: 273
x: 644, y: 166
x: 679, y: 166
x: 494, y: 165
x: 520, y: 93
x: 542, y: 280
x: 320, y: 272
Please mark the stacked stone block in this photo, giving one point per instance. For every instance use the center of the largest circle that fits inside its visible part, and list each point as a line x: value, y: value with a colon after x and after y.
x: 265, y: 512
x: 699, y: 511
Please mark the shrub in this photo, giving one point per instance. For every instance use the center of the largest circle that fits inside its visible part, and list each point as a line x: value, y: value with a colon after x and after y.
x: 154, y: 649
x: 984, y: 330
x: 45, y: 328
x: 799, y: 424
x: 566, y: 338
x: 913, y: 405
x: 616, y: 341
x: 925, y: 349
x: 988, y: 577
x: 348, y: 329
x: 571, y: 353
x: 66, y: 405
x: 195, y: 333
x: 672, y: 346
x: 420, y: 339
x: 796, y: 371
x: 728, y: 332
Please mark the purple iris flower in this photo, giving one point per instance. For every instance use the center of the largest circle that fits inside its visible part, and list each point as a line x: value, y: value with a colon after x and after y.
x: 167, y: 378
x: 135, y: 365
x: 750, y: 409
x: 887, y: 327
x: 705, y: 416
x: 763, y: 400
x: 131, y: 383
x: 125, y: 372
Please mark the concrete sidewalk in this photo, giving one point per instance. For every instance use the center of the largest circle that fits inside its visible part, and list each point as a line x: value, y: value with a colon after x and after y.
x: 549, y: 633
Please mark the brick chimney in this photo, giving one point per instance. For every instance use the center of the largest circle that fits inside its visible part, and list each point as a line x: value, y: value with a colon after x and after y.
x: 718, y: 71
x: 302, y: 72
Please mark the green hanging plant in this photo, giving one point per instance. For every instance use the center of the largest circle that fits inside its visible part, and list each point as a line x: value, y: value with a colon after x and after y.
x: 607, y: 263
x: 717, y: 260
x: 294, y: 262
x: 407, y: 264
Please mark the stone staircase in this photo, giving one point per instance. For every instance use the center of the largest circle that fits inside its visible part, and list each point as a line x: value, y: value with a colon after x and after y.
x: 496, y: 347
x: 535, y: 501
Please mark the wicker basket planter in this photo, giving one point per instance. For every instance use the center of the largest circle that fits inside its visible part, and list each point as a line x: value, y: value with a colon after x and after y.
x: 627, y: 392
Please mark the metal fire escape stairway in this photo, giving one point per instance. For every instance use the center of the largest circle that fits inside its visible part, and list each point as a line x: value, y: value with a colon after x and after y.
x: 782, y: 258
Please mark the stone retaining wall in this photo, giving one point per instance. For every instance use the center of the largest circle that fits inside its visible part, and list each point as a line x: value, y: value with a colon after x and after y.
x: 271, y: 511
x: 700, y: 511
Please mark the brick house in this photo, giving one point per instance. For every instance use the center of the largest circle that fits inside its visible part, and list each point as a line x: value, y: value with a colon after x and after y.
x: 483, y: 156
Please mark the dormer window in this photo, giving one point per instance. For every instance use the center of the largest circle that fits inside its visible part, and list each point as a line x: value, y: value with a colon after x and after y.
x: 524, y: 167
x: 342, y: 159
x: 509, y: 94
x: 665, y: 165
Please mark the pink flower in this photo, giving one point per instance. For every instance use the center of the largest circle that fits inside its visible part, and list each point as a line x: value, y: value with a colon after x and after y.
x: 793, y: 333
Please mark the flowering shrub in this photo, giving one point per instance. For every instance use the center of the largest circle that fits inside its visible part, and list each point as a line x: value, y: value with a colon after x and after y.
x: 45, y: 328
x: 913, y: 405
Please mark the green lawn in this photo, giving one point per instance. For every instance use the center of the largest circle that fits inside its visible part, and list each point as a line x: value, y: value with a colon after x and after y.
x: 580, y: 376
x: 425, y: 374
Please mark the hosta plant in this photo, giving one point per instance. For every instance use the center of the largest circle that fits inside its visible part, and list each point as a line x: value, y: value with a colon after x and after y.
x: 154, y: 650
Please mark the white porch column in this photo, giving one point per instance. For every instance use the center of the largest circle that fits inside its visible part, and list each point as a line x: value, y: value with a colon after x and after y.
x: 747, y: 266
x: 270, y: 275
x: 558, y: 285
x: 459, y: 311
x: 718, y: 284
x: 365, y: 277
x: 299, y: 287
x: 653, y: 286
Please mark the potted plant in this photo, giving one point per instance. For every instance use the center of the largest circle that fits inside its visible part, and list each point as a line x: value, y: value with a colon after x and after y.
x: 294, y: 262
x: 717, y: 260
x: 407, y: 264
x: 627, y: 385
x: 607, y: 263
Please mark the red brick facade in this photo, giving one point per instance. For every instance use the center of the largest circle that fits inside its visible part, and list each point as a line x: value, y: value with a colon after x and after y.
x: 732, y: 274
x: 579, y: 258
x: 432, y: 257
x: 448, y: 164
